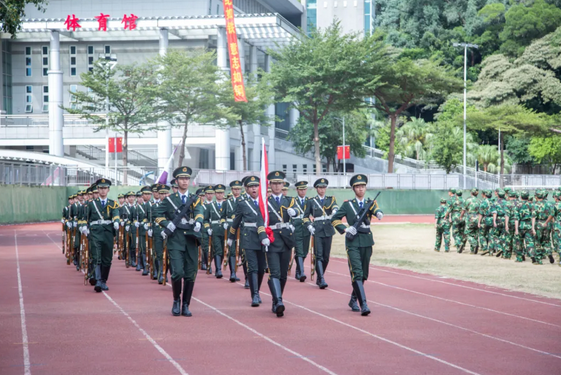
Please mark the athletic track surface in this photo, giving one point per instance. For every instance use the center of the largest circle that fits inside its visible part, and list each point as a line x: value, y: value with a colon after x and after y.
x: 50, y: 323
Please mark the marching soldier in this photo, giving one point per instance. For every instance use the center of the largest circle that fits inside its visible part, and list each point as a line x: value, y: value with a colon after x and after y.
x: 213, y: 223
x: 485, y: 223
x: 458, y: 224
x: 181, y: 216
x: 358, y: 238
x: 253, y: 237
x: 471, y: 210
x: 143, y: 213
x: 102, y: 218
x: 230, y: 212
x: 524, y: 226
x: 301, y: 233
x: 207, y: 195
x: 159, y: 196
x: 173, y: 184
x: 285, y: 188
x: 152, y: 227
x: 321, y: 208
x: 442, y: 227
x: 130, y: 228
x: 76, y: 213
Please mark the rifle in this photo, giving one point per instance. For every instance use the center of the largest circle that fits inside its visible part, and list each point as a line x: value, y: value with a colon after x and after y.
x: 225, y: 249
x: 312, y: 258
x: 165, y: 261
x: 238, y: 255
x: 86, y: 260
x: 291, y: 261
x: 63, y: 238
x: 70, y: 252
x: 209, y: 259
x: 185, y: 210
x: 137, y: 241
x: 362, y: 217
x: 200, y: 257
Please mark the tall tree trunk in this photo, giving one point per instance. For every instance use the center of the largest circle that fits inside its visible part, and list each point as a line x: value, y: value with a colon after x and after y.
x: 391, y: 153
x: 125, y: 155
x: 327, y: 165
x: 317, y: 155
x: 502, y: 153
x: 183, y: 139
x: 244, y: 157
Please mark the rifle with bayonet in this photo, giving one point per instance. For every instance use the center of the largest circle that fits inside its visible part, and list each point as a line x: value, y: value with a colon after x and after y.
x: 362, y: 217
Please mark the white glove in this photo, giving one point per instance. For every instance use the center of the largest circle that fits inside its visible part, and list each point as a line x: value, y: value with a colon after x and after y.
x: 265, y: 242
x: 75, y: 224
x: 197, y: 227
x: 334, y: 211
x: 209, y: 231
x: 122, y: 223
x: 312, y: 229
x: 171, y: 226
x: 351, y: 230
x: 225, y: 226
x: 68, y: 224
x: 291, y: 212
x: 116, y: 225
x: 292, y: 228
x: 86, y: 231
x: 163, y: 234
x: 146, y: 226
x: 62, y: 221
x: 137, y: 224
x: 229, y: 242
x: 184, y: 221
x: 81, y: 229
x: 127, y: 228
x: 379, y: 215
x: 150, y: 232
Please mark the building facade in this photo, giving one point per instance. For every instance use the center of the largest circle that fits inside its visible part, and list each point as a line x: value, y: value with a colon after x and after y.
x: 354, y: 15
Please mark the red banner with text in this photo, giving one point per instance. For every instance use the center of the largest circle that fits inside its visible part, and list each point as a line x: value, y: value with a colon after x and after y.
x: 233, y: 52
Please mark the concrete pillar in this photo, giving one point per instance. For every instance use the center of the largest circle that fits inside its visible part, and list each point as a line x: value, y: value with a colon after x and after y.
x: 164, y: 136
x: 271, y: 114
x: 256, y: 162
x: 56, y: 117
x: 222, y: 137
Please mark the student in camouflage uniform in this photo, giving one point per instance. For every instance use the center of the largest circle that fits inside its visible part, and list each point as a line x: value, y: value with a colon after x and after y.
x: 512, y: 242
x: 557, y: 224
x: 458, y: 225
x: 525, y: 221
x: 442, y: 227
x: 471, y: 211
x: 485, y: 223
x: 544, y: 215
x: 500, y: 213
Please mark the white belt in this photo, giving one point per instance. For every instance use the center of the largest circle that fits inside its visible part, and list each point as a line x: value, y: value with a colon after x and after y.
x: 298, y: 217
x: 362, y: 225
x: 215, y: 221
x: 324, y: 217
x: 230, y: 220
x: 250, y: 225
x: 100, y: 222
x: 279, y: 226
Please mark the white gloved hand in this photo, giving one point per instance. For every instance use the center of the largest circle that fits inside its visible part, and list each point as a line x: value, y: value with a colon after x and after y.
x: 146, y: 226
x: 68, y: 224
x: 81, y: 229
x: 379, y: 215
x: 184, y: 221
x: 137, y: 224
x: 291, y: 212
x: 150, y: 232
x: 122, y: 223
x: 171, y: 226
x: 62, y: 221
x: 197, y: 227
x: 292, y: 228
x: 116, y: 225
x: 86, y: 231
x: 225, y: 226
x: 75, y: 224
x: 334, y: 211
x: 209, y: 231
x: 312, y: 229
x: 163, y: 234
x: 351, y: 230
x: 265, y: 242
x: 127, y: 228
x: 229, y: 242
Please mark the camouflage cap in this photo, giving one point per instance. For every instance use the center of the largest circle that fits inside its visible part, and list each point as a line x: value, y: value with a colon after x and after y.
x: 501, y: 193
x: 442, y: 200
x: 452, y: 190
x: 475, y: 191
x: 507, y: 190
x: 488, y: 193
x: 524, y: 194
x: 459, y: 193
x: 512, y: 194
x: 555, y: 193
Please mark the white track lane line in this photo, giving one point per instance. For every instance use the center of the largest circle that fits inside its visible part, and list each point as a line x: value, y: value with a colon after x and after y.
x: 452, y: 301
x: 26, y: 362
x: 144, y: 333
x: 378, y: 337
x: 449, y: 324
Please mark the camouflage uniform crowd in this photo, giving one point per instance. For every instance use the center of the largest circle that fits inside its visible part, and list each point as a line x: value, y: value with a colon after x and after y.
x: 503, y: 223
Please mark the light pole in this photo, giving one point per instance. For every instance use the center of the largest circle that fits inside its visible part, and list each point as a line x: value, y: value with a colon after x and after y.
x: 465, y: 45
x: 111, y: 63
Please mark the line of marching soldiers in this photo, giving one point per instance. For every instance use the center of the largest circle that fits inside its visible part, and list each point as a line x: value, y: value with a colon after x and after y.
x: 501, y: 223
x: 161, y: 228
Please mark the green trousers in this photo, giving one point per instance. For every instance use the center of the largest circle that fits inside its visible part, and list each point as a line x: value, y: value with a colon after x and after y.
x: 184, y: 256
x: 359, y: 262
x: 101, y: 244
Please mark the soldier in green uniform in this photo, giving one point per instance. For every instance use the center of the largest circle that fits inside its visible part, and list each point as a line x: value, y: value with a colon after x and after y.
x: 182, y: 238
x: 102, y: 218
x: 544, y: 215
x: 301, y: 233
x: 215, y: 217
x: 459, y: 225
x: 285, y: 188
x: 206, y: 245
x: 442, y: 227
x: 358, y: 240
x: 174, y: 188
x: 512, y: 242
x: 500, y: 214
x: 162, y: 193
x: 229, y: 215
x: 485, y: 223
x: 76, y: 212
x: 129, y: 214
x: 154, y: 272
x: 525, y: 224
x: 253, y: 237
x: 557, y: 224
x: 141, y: 219
x: 470, y: 211
x: 321, y: 208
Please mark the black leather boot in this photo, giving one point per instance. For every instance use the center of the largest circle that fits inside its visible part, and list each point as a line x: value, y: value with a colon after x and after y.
x: 361, y: 296
x: 352, y: 303
x: 133, y: 259
x: 254, y: 289
x: 97, y: 271
x: 276, y: 292
x: 176, y: 287
x: 204, y: 260
x: 155, y: 270
x: 320, y: 280
x: 145, y: 270
x: 259, y: 282
x: 104, y: 277
x: 187, y: 293
x: 232, y: 265
x: 246, y: 286
x: 282, y: 284
x: 300, y: 261
x: 160, y: 271
x: 273, y: 296
x: 91, y: 274
x: 297, y: 274
x: 218, y: 265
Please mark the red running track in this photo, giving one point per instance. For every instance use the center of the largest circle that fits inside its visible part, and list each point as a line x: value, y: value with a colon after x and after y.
x: 420, y: 324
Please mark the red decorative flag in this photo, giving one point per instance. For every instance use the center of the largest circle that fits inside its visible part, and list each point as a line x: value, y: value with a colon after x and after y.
x: 115, y: 145
x: 235, y: 65
x: 346, y: 154
x: 263, y: 186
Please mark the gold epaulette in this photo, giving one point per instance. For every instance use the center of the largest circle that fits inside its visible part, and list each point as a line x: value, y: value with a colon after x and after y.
x: 260, y: 229
x: 199, y: 216
x: 206, y: 225
x: 232, y: 231
x: 337, y: 222
x: 158, y: 220
x: 116, y: 218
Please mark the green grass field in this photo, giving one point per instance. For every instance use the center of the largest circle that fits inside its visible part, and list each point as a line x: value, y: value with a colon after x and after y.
x: 411, y: 247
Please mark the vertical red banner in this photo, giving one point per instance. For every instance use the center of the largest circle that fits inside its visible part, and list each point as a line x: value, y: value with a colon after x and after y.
x: 234, y: 53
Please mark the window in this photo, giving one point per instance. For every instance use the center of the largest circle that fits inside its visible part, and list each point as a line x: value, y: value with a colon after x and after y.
x: 107, y: 50
x: 284, y: 168
x: 294, y: 168
x: 29, y: 89
x: 28, y: 99
x: 367, y: 16
x: 311, y: 15
x: 304, y: 168
x: 28, y: 61
x: 45, y: 98
x: 28, y: 51
x: 45, y: 51
x: 73, y: 88
x: 90, y: 50
x: 90, y: 58
x: 72, y: 51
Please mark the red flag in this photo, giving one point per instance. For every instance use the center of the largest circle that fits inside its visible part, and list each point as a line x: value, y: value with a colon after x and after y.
x: 263, y: 186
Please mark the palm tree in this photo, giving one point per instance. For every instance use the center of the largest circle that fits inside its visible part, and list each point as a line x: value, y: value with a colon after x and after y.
x: 412, y: 138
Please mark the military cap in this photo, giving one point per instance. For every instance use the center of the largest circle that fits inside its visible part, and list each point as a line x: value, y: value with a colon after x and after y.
x: 209, y: 189
x: 89, y: 190
x: 442, y: 200
x: 162, y: 188
x: 524, y: 194
x: 512, y: 194
x: 452, y: 190
x: 120, y: 196
x: 501, y: 193
x: 507, y: 190
x: 488, y: 193
x: 71, y: 196
x: 103, y: 182
x: 182, y: 172
x: 243, y: 179
x: 130, y: 193
x: 229, y: 195
x: 236, y: 184
x: 94, y: 188
x: 139, y: 193
x: 459, y: 193
x: 173, y: 183
x: 276, y: 176
x: 200, y: 192
x: 154, y: 187
x: 219, y: 188
x: 358, y: 179
x: 321, y: 182
x: 80, y: 192
x: 286, y: 185
x: 475, y: 191
x: 146, y: 190
x: 301, y: 185
x: 251, y: 181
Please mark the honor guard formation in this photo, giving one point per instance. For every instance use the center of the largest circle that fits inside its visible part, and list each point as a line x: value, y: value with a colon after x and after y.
x: 502, y: 223
x: 161, y: 228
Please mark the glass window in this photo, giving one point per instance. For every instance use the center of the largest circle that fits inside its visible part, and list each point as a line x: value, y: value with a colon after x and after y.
x: 28, y: 50
x: 28, y: 72
x: 46, y: 89
x: 46, y: 98
x: 29, y: 99
x: 28, y: 61
x: 45, y: 61
x: 90, y: 69
x: 72, y: 61
x: 90, y: 60
x: 45, y: 72
x: 29, y: 89
x: 72, y: 50
x: 72, y: 71
x: 90, y: 50
x: 107, y: 49
x: 45, y: 50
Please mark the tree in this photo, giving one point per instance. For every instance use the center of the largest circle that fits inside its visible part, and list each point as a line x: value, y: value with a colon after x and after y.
x: 254, y: 111
x: 412, y: 138
x: 546, y: 150
x: 406, y: 83
x: 447, y: 145
x: 331, y: 135
x: 517, y: 148
x: 327, y: 72
x: 130, y: 109
x: 189, y: 91
x: 13, y: 11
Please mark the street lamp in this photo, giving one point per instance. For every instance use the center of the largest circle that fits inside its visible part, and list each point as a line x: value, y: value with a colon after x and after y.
x: 465, y: 45
x: 111, y: 63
